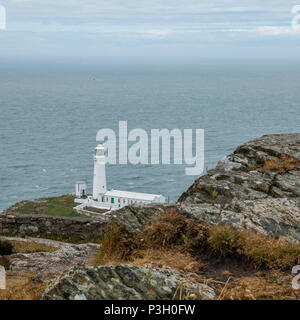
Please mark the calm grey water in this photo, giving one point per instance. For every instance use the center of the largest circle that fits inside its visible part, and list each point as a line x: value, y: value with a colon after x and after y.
x: 50, y: 114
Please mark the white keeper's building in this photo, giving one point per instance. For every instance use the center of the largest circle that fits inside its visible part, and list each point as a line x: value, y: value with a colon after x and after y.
x: 113, y: 199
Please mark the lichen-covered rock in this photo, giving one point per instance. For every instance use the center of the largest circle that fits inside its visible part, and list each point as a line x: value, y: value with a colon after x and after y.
x: 267, y: 147
x: 134, y: 218
x: 244, y: 193
x: 64, y: 258
x: 124, y: 282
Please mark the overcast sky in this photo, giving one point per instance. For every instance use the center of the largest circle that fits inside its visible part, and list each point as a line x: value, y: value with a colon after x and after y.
x: 150, y: 29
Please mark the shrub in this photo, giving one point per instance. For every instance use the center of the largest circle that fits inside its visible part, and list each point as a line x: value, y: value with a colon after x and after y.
x: 172, y: 229
x: 282, y: 165
x: 195, y: 235
x: 263, y: 252
x: 166, y: 231
x: 6, y: 248
x: 223, y: 240
x: 270, y: 253
x: 116, y: 244
x: 176, y: 233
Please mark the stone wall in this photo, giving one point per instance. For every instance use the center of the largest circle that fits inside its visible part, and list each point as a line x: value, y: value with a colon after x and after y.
x: 48, y: 226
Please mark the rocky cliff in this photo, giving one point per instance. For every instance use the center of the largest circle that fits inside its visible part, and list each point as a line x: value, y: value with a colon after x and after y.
x: 256, y: 188
x: 254, y: 192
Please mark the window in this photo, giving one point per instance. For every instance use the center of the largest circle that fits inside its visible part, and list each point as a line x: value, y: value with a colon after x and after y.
x: 99, y: 152
x: 112, y: 200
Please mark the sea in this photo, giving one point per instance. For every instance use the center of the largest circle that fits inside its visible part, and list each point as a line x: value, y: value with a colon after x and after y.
x: 51, y: 111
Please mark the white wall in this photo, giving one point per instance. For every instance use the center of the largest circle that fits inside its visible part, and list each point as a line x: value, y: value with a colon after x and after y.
x: 79, y: 188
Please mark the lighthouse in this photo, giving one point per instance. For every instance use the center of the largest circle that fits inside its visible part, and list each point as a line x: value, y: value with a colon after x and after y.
x: 99, y: 184
x: 108, y: 200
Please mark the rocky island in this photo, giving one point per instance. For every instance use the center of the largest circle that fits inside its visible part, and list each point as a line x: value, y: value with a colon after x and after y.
x: 234, y: 234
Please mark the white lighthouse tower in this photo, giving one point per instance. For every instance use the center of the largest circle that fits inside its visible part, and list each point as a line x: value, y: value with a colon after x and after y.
x: 99, y: 185
x: 108, y: 200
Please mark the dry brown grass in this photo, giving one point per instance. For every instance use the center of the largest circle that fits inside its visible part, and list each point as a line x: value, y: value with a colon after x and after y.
x: 164, y: 232
x: 179, y: 243
x: 172, y: 229
x: 274, y: 285
x: 177, y: 259
x: 270, y: 253
x: 31, y: 247
x: 22, y: 286
x: 174, y: 232
x: 164, y: 242
x: 282, y: 165
x: 117, y: 245
x: 263, y: 252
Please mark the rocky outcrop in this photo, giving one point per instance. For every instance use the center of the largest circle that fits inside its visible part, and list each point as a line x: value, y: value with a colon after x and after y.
x: 86, y: 229
x: 134, y: 218
x: 64, y: 258
x: 242, y: 192
x: 125, y: 282
x: 256, y: 188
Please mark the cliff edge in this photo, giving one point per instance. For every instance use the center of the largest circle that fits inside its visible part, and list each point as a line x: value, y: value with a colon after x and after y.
x: 256, y: 188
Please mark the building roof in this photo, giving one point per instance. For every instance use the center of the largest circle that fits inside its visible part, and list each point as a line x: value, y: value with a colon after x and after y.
x: 132, y: 195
